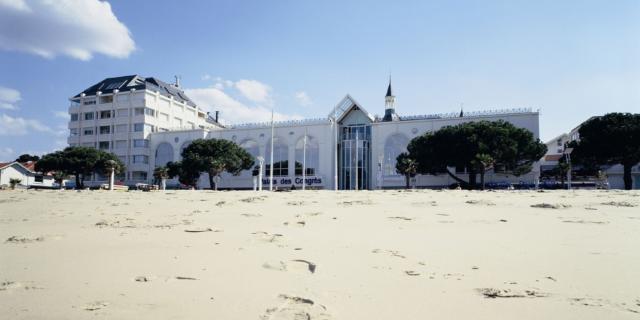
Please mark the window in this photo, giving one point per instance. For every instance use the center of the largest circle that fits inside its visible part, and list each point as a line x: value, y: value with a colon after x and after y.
x: 308, y: 157
x: 88, y: 115
x: 149, y: 128
x: 280, y: 158
x: 73, y: 131
x: 138, y: 111
x: 164, y: 116
x: 163, y: 129
x: 123, y: 159
x: 138, y: 175
x: 164, y: 154
x: 106, y: 99
x: 395, y: 144
x: 89, y: 144
x: 123, y: 113
x: 103, y: 145
x: 140, y: 143
x: 149, y: 112
x: 121, y: 144
x: 105, y: 129
x: 89, y: 102
x: 252, y: 148
x: 140, y: 159
x: 74, y: 117
x: 138, y: 127
x: 121, y: 128
x: 178, y: 122
x: 38, y: 178
x: 87, y: 131
x: 191, y: 125
x: 105, y: 114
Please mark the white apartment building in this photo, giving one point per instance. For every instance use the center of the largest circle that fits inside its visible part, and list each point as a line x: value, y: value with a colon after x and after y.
x: 120, y: 114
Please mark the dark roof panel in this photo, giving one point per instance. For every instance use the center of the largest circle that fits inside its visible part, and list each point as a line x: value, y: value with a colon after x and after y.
x: 126, y: 83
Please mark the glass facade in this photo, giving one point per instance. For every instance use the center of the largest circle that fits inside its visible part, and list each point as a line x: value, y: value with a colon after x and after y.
x: 355, y: 157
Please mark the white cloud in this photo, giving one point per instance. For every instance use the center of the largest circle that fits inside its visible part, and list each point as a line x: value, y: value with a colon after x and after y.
x: 206, y: 77
x: 232, y: 110
x: 75, y: 28
x: 7, y: 154
x: 9, y: 97
x: 255, y: 91
x: 303, y: 98
x: 10, y: 126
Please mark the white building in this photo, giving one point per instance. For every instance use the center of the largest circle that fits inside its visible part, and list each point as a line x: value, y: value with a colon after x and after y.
x: 556, y: 148
x: 348, y: 149
x: 120, y: 114
x: 26, y: 173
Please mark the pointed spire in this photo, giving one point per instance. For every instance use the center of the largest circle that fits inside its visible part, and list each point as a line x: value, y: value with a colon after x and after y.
x: 389, y: 94
x: 461, y: 110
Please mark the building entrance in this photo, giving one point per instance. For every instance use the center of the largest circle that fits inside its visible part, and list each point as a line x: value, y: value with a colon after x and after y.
x: 354, y: 157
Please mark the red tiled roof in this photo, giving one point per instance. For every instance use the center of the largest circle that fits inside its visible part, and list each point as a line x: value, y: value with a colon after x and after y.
x: 31, y: 165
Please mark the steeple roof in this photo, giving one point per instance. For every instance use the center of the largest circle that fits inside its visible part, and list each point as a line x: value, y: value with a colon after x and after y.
x: 389, y: 94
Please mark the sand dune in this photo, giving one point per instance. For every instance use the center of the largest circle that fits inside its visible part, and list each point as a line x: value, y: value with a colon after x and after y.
x: 320, y: 255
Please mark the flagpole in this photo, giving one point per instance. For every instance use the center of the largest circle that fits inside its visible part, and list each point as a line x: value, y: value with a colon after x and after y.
x: 357, y: 159
x: 335, y: 164
x: 271, y: 158
x: 304, y: 160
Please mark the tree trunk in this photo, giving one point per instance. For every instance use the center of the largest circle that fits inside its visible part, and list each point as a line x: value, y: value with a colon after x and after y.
x: 212, y: 184
x: 78, y: 181
x: 406, y: 180
x: 482, y: 178
x: 472, y: 180
x: 562, y: 180
x: 626, y: 176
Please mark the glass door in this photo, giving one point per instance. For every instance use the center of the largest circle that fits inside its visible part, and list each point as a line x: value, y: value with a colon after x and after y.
x: 354, y: 160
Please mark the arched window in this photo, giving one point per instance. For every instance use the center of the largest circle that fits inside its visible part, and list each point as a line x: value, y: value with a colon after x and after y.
x: 280, y: 158
x: 164, y: 154
x: 395, y: 145
x: 252, y: 147
x: 184, y: 146
x: 310, y: 158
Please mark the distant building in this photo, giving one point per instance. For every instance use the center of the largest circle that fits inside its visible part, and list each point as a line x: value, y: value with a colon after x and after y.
x: 556, y: 149
x: 349, y: 148
x: 25, y: 172
x: 120, y: 114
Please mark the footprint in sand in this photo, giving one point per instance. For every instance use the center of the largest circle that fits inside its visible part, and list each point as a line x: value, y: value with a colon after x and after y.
x: 400, y: 218
x: 19, y: 239
x: 551, y: 205
x: 251, y: 215
x: 267, y: 237
x: 97, y: 305
x: 298, y: 308
x: 493, y: 293
x: 481, y: 202
x: 297, y: 265
x: 14, y: 285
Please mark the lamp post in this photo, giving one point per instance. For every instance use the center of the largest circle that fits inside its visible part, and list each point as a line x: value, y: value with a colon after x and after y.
x: 380, y: 160
x: 112, y: 169
x: 261, y: 162
x: 567, y: 152
x: 304, y: 160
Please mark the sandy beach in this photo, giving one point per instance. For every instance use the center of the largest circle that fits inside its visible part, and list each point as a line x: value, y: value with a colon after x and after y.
x: 320, y: 255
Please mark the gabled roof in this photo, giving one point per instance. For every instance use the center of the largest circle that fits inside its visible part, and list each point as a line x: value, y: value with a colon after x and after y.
x: 344, y: 106
x: 127, y: 83
x: 29, y: 166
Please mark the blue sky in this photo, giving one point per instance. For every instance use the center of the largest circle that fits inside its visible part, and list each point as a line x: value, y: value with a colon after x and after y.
x: 570, y: 59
